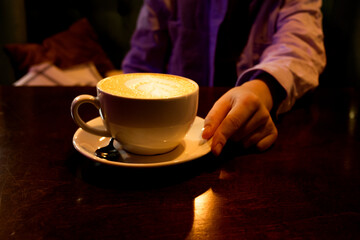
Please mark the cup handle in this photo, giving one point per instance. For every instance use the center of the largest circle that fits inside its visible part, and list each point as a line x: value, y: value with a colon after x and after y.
x: 78, y: 120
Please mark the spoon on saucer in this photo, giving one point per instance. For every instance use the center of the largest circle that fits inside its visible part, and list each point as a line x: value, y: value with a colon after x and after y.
x: 108, y: 152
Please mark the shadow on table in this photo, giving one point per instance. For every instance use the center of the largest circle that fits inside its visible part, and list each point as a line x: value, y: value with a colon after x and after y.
x: 127, y: 178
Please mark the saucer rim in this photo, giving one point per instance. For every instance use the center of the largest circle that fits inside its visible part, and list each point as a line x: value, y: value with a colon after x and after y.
x: 93, y: 157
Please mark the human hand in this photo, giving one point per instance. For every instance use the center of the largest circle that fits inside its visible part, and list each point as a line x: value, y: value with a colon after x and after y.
x: 242, y: 114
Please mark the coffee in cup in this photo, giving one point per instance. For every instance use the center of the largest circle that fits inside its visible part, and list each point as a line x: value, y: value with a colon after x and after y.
x: 147, y: 113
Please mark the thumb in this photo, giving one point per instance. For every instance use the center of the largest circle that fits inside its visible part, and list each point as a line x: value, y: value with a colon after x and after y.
x: 215, y: 116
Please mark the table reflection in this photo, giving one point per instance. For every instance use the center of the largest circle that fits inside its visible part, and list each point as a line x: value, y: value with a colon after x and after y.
x: 204, y: 211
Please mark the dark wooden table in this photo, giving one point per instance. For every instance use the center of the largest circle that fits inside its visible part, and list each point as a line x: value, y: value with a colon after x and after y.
x: 306, y: 186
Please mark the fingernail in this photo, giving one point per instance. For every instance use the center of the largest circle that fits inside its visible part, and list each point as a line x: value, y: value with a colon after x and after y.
x: 205, y: 132
x: 217, y: 149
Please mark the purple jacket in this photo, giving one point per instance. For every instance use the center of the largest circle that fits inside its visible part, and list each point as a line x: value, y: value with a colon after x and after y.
x: 179, y: 37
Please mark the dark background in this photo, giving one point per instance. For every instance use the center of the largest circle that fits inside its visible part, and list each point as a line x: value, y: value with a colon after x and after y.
x: 24, y: 21
x: 31, y: 21
x: 342, y: 38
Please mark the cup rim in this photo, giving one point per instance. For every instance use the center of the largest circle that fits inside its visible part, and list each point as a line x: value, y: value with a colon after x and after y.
x: 196, y: 89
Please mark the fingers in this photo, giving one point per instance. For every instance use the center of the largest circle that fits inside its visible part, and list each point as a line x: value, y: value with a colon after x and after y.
x: 267, y: 141
x: 241, y: 117
x: 231, y: 110
x: 215, y: 116
x: 262, y: 138
x: 249, y: 129
x: 233, y: 122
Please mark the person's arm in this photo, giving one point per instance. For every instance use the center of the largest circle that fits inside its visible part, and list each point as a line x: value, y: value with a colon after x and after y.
x: 295, y: 54
x: 150, y: 41
x: 294, y: 60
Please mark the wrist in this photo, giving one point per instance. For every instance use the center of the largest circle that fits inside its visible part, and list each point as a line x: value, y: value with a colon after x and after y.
x: 261, y: 90
x: 277, y: 91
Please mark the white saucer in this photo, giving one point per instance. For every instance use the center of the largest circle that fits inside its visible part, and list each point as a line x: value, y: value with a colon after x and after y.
x: 192, y: 147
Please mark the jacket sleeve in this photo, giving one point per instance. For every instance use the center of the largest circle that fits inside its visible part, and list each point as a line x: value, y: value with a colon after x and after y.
x: 150, y: 41
x: 287, y: 43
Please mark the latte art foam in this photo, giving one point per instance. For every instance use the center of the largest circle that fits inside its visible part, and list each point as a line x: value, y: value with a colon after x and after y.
x: 147, y: 85
x: 151, y: 86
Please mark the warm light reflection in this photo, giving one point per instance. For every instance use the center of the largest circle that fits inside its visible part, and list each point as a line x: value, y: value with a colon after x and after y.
x: 352, y: 114
x: 203, y: 203
x: 204, y: 212
x: 352, y: 128
x: 352, y: 120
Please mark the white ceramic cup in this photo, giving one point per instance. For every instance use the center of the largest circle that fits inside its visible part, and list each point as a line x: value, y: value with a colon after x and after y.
x: 154, y: 122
